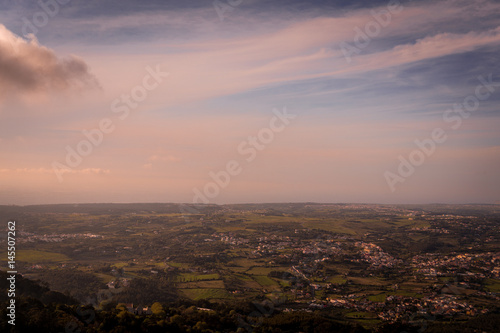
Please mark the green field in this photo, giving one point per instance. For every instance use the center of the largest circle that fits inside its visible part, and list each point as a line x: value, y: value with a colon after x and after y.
x: 260, y: 270
x: 34, y: 256
x: 265, y: 281
x: 177, y: 264
x: 361, y: 315
x: 120, y: 264
x: 337, y: 280
x: 378, y: 298
x: 368, y: 281
x: 493, y: 285
x: 191, y: 277
x: 104, y: 277
x: 214, y: 284
x: 332, y: 225
x: 197, y: 294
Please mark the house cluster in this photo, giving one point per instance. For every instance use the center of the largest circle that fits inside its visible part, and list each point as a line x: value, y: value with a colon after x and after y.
x: 28, y: 237
x: 229, y: 238
x: 266, y: 246
x: 397, y: 307
x: 121, y: 282
x: 431, y: 230
x: 138, y: 310
x: 374, y: 255
x: 468, y: 265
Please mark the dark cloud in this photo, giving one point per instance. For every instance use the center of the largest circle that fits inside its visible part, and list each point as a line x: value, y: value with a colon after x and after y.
x: 26, y: 66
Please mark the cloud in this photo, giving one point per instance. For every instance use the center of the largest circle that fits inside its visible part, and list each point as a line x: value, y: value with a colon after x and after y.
x: 26, y: 67
x: 87, y: 171
x: 355, y: 119
x: 301, y: 50
x: 160, y: 157
x: 168, y: 158
x: 430, y: 47
x: 445, y: 44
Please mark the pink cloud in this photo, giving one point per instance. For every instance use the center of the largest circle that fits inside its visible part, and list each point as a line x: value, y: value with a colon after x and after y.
x: 27, y: 67
x: 86, y: 171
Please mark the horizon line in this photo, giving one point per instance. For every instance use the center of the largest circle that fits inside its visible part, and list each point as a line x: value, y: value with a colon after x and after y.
x: 252, y: 203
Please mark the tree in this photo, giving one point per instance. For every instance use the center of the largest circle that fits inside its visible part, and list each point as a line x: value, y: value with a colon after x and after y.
x: 157, y: 309
x: 121, y: 307
x: 200, y: 326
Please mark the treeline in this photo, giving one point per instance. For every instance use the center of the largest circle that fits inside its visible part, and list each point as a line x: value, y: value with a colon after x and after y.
x: 34, y: 316
x: 38, y: 309
x: 33, y: 289
x: 147, y: 291
x: 204, y: 317
x: 486, y: 323
x: 73, y: 282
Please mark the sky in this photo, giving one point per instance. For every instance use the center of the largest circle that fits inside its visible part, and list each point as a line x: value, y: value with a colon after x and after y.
x: 241, y: 101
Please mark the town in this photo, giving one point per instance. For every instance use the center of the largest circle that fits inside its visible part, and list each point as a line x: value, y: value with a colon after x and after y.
x: 367, y: 264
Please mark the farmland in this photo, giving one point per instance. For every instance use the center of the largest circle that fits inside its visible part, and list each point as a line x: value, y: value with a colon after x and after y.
x: 368, y: 264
